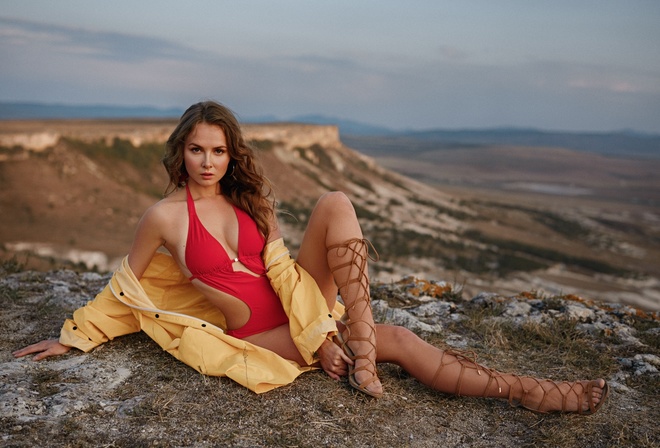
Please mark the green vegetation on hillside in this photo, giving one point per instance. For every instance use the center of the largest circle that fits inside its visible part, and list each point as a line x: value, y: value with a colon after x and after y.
x: 513, y: 255
x: 316, y: 155
x: 262, y: 145
x: 143, y: 157
x: 559, y: 224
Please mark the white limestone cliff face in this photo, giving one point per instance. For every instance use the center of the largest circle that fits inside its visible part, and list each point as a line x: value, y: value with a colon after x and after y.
x: 290, y: 135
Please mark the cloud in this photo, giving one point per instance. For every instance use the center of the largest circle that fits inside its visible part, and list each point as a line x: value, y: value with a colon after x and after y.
x: 447, y: 87
x: 44, y: 62
x: 309, y: 63
x: 95, y: 44
x: 617, y: 86
x: 452, y: 53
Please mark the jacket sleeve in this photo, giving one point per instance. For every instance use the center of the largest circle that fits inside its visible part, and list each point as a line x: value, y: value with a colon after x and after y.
x: 101, y: 320
x: 310, y: 321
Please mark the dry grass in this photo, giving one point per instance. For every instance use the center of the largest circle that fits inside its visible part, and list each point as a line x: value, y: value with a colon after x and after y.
x: 165, y: 403
x: 555, y: 346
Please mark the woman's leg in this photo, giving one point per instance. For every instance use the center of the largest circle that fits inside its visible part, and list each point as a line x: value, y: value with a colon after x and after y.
x: 278, y: 340
x: 333, y: 222
x: 458, y: 373
x: 334, y: 253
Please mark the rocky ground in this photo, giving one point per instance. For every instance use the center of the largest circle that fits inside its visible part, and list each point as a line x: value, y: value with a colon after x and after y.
x: 130, y: 393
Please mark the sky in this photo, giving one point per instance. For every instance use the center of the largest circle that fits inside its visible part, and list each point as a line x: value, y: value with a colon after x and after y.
x: 571, y: 65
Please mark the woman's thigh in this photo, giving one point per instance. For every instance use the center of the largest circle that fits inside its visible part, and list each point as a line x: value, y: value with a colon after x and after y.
x: 278, y: 340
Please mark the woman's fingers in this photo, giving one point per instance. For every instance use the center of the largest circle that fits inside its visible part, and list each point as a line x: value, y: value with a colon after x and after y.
x: 34, y: 348
x: 44, y: 349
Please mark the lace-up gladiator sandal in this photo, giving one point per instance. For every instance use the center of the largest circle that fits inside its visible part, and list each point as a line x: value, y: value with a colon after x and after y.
x: 348, y: 263
x: 526, y: 392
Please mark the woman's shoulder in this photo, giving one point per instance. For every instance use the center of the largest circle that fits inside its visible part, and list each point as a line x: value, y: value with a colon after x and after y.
x: 177, y: 197
x: 168, y: 207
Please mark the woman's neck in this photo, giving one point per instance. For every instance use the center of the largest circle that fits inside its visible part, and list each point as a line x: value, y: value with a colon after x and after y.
x: 203, y: 191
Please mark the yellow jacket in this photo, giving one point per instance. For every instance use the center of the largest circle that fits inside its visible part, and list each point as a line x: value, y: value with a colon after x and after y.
x: 166, y: 306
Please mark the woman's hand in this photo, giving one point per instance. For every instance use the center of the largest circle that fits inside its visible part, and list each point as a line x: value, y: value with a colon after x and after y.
x: 333, y: 360
x: 44, y: 349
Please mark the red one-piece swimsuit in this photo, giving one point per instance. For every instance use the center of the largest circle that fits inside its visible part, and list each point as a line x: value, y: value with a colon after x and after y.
x: 208, y: 261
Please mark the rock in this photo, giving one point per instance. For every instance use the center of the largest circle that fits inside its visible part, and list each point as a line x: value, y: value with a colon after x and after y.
x: 625, y: 333
x: 579, y: 312
x: 81, y: 380
x: 648, y: 358
x: 486, y: 299
x: 396, y: 316
x: 641, y: 364
x: 516, y: 309
x: 433, y: 310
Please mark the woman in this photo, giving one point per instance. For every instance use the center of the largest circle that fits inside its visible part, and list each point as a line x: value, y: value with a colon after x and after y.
x: 256, y: 312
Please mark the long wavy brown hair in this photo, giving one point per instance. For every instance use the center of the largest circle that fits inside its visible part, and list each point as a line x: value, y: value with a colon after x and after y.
x: 244, y: 184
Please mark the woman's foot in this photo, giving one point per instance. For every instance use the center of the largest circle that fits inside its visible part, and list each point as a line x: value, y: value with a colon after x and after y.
x: 362, y: 375
x: 544, y: 396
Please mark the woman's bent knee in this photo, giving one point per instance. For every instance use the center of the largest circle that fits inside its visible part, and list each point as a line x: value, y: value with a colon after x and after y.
x: 336, y: 212
x: 334, y: 220
x: 394, y: 341
x: 334, y: 200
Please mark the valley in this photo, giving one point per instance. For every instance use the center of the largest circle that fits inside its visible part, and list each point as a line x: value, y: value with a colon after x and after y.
x: 490, y: 218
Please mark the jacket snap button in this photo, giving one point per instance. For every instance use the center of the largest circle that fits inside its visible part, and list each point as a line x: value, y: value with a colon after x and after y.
x: 75, y: 328
x: 121, y: 293
x: 203, y: 325
x: 157, y: 316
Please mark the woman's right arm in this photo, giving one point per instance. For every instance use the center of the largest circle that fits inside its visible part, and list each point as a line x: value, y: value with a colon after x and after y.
x: 148, y: 238
x: 146, y: 242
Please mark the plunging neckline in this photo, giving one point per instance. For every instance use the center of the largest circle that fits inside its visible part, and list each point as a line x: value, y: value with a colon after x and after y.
x: 224, y: 250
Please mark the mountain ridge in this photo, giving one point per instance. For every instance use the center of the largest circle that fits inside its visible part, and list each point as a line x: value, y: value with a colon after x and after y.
x: 617, y: 142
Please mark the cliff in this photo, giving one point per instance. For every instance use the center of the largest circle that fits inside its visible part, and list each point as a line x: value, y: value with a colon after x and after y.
x: 39, y: 135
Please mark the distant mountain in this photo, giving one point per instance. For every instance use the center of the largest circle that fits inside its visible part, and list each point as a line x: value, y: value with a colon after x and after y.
x: 608, y: 143
x: 346, y: 127
x: 36, y: 111
x: 622, y: 143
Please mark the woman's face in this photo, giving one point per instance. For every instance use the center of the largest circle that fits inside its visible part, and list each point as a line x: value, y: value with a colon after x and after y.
x: 205, y: 154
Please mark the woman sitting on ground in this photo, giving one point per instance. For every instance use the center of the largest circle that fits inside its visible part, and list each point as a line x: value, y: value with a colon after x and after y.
x: 229, y: 300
